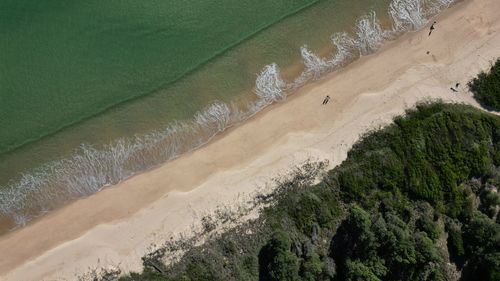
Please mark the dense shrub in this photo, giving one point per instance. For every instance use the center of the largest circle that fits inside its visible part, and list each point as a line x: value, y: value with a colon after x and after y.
x: 455, y: 243
x: 276, y: 261
x: 425, y: 155
x: 486, y: 87
x: 381, y: 215
x: 311, y: 267
x: 482, y: 246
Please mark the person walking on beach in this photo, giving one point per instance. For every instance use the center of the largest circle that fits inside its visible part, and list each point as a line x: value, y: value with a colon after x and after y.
x: 432, y: 28
x: 326, y: 100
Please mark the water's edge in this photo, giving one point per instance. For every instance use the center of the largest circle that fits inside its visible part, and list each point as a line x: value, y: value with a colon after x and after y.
x: 90, y: 169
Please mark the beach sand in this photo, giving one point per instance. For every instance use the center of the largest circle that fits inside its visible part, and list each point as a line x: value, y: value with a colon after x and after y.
x: 118, y: 225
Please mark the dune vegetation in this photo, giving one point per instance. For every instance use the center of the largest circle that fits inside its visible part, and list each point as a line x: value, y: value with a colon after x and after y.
x: 416, y: 200
x: 486, y: 87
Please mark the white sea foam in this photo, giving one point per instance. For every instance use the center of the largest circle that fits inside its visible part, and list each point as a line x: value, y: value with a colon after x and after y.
x: 369, y: 37
x: 269, y: 86
x: 410, y: 15
x: 344, y: 45
x: 370, y: 34
x: 216, y: 117
x: 90, y: 168
x: 407, y: 15
x: 433, y: 7
x: 315, y: 66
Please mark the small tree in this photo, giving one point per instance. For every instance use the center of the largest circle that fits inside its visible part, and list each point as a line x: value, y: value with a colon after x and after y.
x: 311, y: 267
x: 486, y: 87
x: 276, y: 261
x: 357, y: 271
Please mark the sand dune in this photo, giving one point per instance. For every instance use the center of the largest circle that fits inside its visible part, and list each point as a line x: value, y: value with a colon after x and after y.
x: 118, y: 224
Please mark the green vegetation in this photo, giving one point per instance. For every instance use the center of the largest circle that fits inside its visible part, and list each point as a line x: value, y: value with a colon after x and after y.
x: 276, y: 261
x: 418, y: 200
x: 486, y: 88
x: 408, y: 201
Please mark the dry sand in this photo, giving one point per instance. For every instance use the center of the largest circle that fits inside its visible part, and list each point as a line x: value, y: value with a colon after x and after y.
x: 118, y: 224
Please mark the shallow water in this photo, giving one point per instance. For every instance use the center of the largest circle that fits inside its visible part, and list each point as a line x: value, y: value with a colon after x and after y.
x: 125, y: 50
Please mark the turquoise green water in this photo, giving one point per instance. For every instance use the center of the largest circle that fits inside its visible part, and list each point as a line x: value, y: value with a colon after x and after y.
x: 64, y: 61
x: 57, y: 74
x: 120, y: 69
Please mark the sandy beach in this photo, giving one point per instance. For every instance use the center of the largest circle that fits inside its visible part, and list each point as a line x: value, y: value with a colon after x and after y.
x: 118, y: 225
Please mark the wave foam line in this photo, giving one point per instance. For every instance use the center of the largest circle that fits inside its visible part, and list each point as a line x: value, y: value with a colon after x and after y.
x: 369, y: 35
x: 91, y: 169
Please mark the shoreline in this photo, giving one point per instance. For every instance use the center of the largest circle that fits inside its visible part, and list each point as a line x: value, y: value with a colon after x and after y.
x: 119, y: 223
x: 19, y: 213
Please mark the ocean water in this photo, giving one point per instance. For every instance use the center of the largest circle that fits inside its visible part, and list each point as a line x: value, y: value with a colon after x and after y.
x: 94, y: 92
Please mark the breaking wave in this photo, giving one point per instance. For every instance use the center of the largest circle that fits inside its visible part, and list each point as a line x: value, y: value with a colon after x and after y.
x: 90, y: 169
x: 369, y: 35
x: 269, y: 86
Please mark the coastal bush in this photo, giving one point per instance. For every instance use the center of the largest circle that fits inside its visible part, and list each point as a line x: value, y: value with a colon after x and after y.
x: 147, y: 275
x: 428, y: 226
x: 383, y: 214
x: 455, y: 243
x: 311, y: 207
x: 357, y: 271
x: 426, y: 155
x: 311, y: 267
x: 486, y: 87
x: 276, y: 261
x: 382, y: 247
x: 482, y: 247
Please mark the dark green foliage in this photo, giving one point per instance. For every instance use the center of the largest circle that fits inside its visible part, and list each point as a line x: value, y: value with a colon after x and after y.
x: 425, y: 155
x: 311, y: 267
x: 428, y: 226
x: 200, y: 270
x: 276, y: 261
x: 311, y: 206
x: 426, y: 251
x: 455, y: 243
x: 459, y: 203
x: 486, y: 87
x: 146, y: 275
x: 381, y: 215
x: 482, y: 246
x: 357, y: 271
x: 489, y: 200
x: 354, y: 236
x: 381, y: 247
